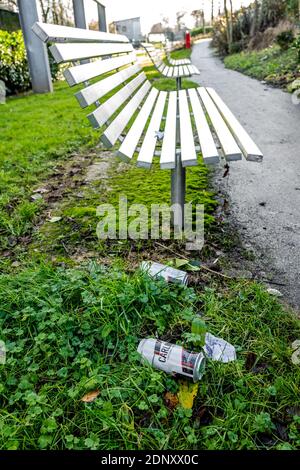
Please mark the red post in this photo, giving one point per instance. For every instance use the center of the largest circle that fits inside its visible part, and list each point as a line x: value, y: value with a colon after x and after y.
x: 187, y: 40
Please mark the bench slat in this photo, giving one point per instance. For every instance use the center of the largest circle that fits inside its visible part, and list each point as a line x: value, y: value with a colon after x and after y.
x: 191, y: 70
x: 94, y: 92
x: 114, y: 130
x: 148, y: 147
x: 79, y: 51
x: 186, y: 70
x: 250, y: 149
x: 181, y: 70
x: 54, y: 33
x: 84, y: 72
x: 132, y: 138
x: 188, y: 151
x: 107, y: 109
x: 228, y: 143
x: 208, y: 147
x: 168, y: 152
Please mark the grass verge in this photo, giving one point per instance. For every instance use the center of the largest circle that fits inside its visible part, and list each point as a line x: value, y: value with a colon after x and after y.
x: 181, y: 54
x: 70, y: 332
x: 273, y: 65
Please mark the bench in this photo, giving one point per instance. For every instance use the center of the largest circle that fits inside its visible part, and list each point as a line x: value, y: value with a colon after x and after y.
x: 140, y: 121
x: 174, y: 71
x: 168, y: 49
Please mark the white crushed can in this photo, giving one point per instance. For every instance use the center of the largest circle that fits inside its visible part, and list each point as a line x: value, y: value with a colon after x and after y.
x: 172, y: 359
x: 169, y: 274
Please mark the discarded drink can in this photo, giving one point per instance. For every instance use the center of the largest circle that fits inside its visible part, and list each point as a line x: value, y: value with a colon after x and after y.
x: 169, y: 274
x: 172, y: 359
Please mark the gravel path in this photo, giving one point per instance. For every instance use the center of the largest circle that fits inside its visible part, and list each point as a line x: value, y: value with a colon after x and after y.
x: 265, y: 198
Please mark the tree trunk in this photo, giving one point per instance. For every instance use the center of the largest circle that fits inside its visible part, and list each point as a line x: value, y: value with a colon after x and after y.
x: 253, y: 29
x: 212, y: 11
x: 227, y: 24
x: 231, y: 23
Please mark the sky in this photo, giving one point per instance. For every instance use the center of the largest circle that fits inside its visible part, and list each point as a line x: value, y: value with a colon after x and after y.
x: 152, y: 11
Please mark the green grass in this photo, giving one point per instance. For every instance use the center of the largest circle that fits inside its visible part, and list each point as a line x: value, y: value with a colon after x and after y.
x: 273, y: 65
x: 166, y: 84
x: 68, y: 332
x: 181, y: 54
x: 37, y: 132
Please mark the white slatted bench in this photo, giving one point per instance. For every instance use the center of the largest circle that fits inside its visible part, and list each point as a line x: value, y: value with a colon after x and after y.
x: 168, y: 49
x: 174, y: 126
x: 173, y: 71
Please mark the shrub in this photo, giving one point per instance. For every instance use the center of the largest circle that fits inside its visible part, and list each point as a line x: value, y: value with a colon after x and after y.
x: 296, y: 45
x: 197, y: 31
x: 285, y: 39
x: 13, y: 62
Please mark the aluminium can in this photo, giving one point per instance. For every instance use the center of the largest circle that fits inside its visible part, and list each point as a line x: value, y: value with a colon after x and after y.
x: 172, y: 359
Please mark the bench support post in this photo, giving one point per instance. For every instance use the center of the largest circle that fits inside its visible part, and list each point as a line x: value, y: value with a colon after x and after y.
x: 36, y: 51
x: 178, y: 83
x: 101, y: 16
x: 178, y: 177
x: 79, y: 14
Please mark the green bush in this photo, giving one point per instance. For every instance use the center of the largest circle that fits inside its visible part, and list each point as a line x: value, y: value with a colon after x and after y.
x: 296, y: 45
x: 285, y: 39
x: 197, y: 31
x: 13, y: 62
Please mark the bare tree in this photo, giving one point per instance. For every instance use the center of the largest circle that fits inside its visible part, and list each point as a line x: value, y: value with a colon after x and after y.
x: 197, y: 16
x: 254, y: 24
x: 10, y: 4
x: 179, y: 22
x: 228, y: 27
x: 231, y: 22
x: 57, y: 11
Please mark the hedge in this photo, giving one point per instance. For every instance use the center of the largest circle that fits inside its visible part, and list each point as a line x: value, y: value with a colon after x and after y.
x: 13, y: 62
x: 197, y: 31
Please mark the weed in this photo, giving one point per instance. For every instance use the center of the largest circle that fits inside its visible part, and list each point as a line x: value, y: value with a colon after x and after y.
x: 68, y: 332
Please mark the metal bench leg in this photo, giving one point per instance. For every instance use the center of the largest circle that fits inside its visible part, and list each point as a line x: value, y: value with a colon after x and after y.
x: 178, y: 193
x: 178, y: 83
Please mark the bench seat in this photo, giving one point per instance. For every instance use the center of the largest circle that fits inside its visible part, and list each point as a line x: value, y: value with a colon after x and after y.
x: 183, y: 123
x: 177, y: 69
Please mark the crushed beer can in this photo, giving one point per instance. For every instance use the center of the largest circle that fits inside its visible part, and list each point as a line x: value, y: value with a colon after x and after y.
x: 169, y: 274
x: 172, y: 359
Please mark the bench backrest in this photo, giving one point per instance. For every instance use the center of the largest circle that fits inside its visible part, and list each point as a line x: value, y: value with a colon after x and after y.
x: 118, y: 83
x: 157, y: 55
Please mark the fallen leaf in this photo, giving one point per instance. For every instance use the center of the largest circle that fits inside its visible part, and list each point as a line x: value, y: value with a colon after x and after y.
x: 54, y: 219
x: 171, y: 400
x: 187, y: 394
x: 90, y: 396
x: 180, y: 262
